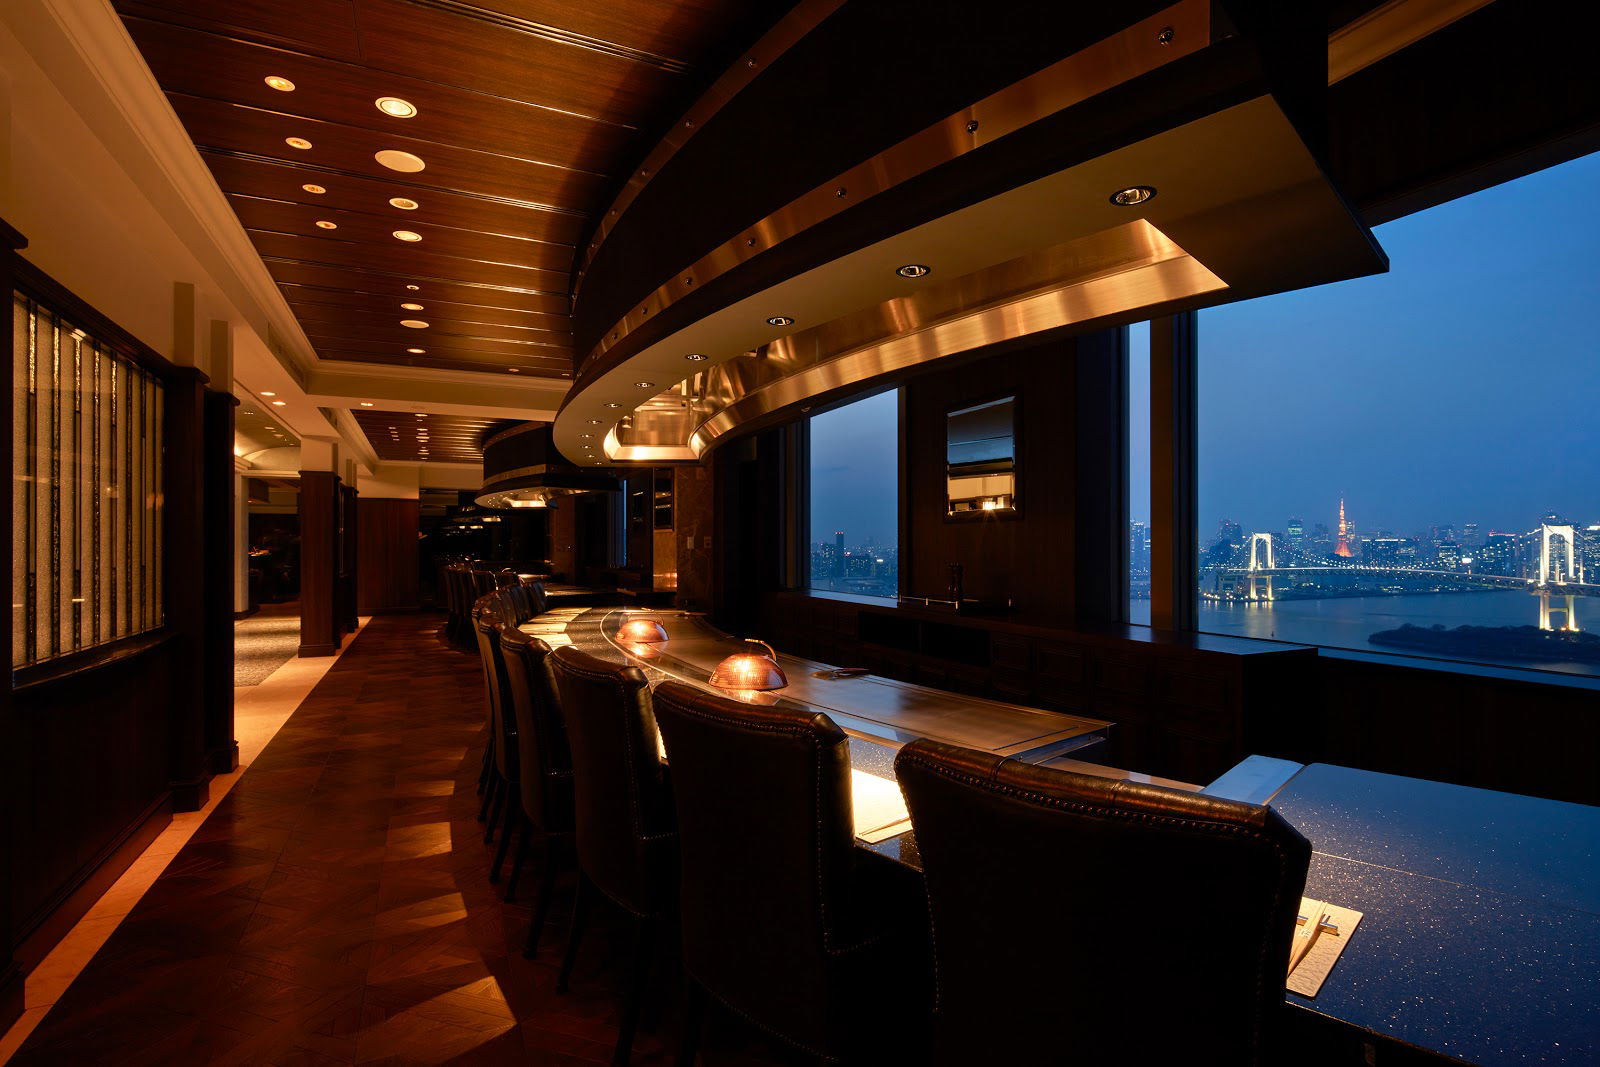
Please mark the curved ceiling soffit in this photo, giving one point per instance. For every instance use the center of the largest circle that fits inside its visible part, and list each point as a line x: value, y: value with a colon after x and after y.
x: 1009, y: 258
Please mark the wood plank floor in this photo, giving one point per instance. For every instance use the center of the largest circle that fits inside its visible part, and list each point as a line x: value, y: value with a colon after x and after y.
x: 336, y: 908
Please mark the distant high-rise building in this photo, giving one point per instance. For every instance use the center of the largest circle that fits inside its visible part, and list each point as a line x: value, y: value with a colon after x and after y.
x: 838, y: 558
x: 1448, y: 554
x: 1230, y: 532
x: 1347, y: 535
x: 1138, y: 546
x: 1296, y: 533
x: 1470, y: 534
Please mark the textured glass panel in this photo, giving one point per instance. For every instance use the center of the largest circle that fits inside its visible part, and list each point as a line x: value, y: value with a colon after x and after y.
x: 106, y: 500
x: 158, y: 508
x: 21, y: 478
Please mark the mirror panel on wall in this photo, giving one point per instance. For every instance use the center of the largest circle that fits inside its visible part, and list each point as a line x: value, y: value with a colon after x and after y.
x: 981, y: 459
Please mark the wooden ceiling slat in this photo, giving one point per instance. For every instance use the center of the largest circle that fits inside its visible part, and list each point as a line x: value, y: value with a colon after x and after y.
x: 447, y: 361
x: 635, y: 24
x: 279, y: 217
x: 452, y: 438
x: 349, y: 192
x: 322, y: 27
x: 315, y: 306
x: 216, y: 124
x: 530, y: 347
x: 374, y: 279
x: 403, y: 258
x: 346, y: 93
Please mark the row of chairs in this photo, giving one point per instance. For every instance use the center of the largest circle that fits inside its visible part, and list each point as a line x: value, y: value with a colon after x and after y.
x: 464, y: 585
x: 1058, y: 917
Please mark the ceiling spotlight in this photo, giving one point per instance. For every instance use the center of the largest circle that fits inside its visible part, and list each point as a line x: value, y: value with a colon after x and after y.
x: 412, y: 307
x: 612, y: 404
x: 404, y: 203
x: 319, y: 190
x: 283, y: 85
x: 324, y: 224
x: 914, y: 270
x: 780, y: 320
x: 417, y: 351
x: 1133, y: 194
x: 422, y: 414
x: 395, y: 107
x: 404, y: 162
x: 297, y: 142
x: 415, y: 324
x: 513, y: 370
x: 265, y: 393
x: 279, y: 403
x: 694, y: 357
x: 413, y: 288
x: 586, y: 435
x: 644, y: 385
x: 408, y: 235
x: 595, y: 422
x: 366, y: 403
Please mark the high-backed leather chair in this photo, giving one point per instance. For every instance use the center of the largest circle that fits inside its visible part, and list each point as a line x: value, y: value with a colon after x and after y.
x: 1091, y: 920
x: 784, y: 920
x: 500, y: 799
x: 545, y: 765
x: 627, y: 839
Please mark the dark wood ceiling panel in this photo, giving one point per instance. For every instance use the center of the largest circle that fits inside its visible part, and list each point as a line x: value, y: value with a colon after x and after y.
x: 373, y: 230
x: 492, y: 57
x: 403, y: 258
x: 327, y: 27
x: 349, y: 192
x: 396, y: 435
x: 346, y: 93
x: 216, y: 124
x: 638, y: 25
x: 527, y: 115
x: 312, y: 305
x: 373, y: 280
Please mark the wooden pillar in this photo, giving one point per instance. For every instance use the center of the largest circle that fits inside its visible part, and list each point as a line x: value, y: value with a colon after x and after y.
x: 222, y: 750
x: 1173, y: 472
x: 11, y: 976
x: 319, y: 601
x: 183, y: 566
x: 1100, y: 480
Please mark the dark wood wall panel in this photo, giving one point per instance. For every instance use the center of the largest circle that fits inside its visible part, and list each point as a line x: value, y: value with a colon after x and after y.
x: 387, y: 562
x: 1028, y: 559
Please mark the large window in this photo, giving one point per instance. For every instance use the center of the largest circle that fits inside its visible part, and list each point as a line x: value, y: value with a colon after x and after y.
x: 86, y: 490
x: 855, y: 461
x: 1410, y: 463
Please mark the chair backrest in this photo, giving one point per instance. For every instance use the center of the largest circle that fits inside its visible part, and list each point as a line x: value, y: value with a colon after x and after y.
x: 626, y: 842
x: 766, y: 843
x: 537, y: 602
x: 1115, y: 921
x: 545, y: 759
x: 502, y: 721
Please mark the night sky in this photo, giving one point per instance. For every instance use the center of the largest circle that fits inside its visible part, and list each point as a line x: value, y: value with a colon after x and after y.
x: 1460, y: 387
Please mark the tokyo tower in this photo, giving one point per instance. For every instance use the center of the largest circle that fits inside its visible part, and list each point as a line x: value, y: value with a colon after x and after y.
x: 1347, y: 533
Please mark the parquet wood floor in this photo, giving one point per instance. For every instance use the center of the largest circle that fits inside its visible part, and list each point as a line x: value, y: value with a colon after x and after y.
x: 336, y: 908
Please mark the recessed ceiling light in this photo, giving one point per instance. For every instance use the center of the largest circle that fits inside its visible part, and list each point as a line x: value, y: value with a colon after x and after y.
x: 283, y: 85
x: 395, y: 107
x: 265, y: 393
x: 586, y: 435
x: 413, y: 288
x: 279, y: 403
x: 412, y: 307
x: 612, y: 404
x: 404, y: 203
x: 408, y: 235
x: 415, y: 324
x: 404, y: 162
x: 694, y: 357
x: 324, y: 224
x: 914, y: 270
x: 644, y: 385
x: 297, y: 142
x: 422, y: 414
x: 1133, y: 194
x: 417, y: 351
x: 366, y: 403
x: 780, y: 320
x: 513, y: 370
x: 595, y: 422
x: 319, y: 190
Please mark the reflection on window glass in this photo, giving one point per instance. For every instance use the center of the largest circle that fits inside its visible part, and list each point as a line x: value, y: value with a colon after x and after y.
x: 1407, y: 463
x: 855, y: 515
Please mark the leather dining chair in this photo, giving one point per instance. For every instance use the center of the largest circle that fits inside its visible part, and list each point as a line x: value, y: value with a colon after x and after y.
x: 545, y: 763
x: 1090, y: 920
x: 785, y: 922
x: 627, y: 839
x: 500, y: 799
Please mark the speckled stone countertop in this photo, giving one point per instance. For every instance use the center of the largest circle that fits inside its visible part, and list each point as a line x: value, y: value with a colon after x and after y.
x: 1480, y: 935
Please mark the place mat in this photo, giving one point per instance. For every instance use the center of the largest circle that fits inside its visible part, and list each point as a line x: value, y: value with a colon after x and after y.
x: 879, y: 808
x: 1317, y: 943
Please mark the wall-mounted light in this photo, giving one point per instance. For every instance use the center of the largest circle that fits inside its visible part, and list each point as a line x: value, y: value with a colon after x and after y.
x: 750, y: 671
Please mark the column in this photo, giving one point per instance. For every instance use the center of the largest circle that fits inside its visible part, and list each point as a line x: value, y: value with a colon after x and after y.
x: 319, y: 566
